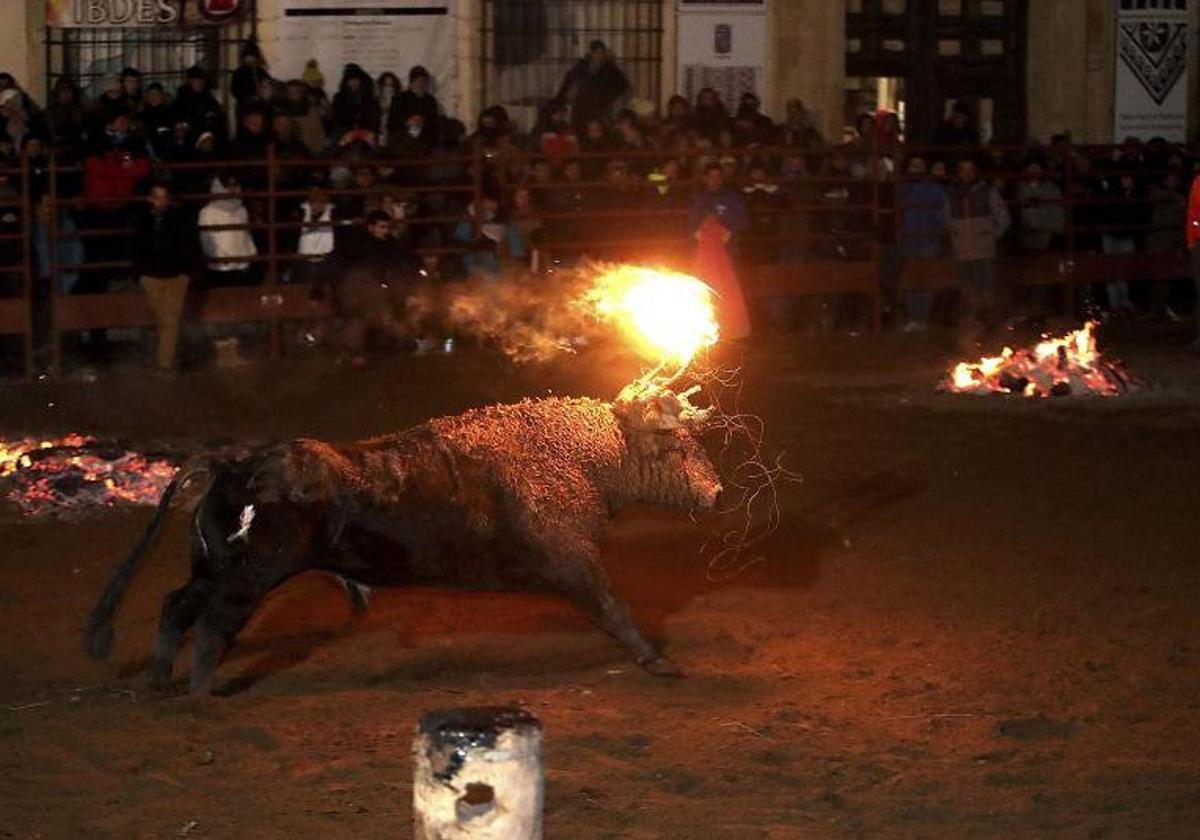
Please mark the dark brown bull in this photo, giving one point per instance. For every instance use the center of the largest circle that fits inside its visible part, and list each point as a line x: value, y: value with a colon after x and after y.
x: 507, y: 497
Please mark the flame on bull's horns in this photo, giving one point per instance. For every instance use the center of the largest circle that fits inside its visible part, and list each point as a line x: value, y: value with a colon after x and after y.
x: 669, y: 315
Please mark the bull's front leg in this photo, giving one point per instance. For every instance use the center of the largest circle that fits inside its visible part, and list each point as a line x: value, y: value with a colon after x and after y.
x: 574, y: 570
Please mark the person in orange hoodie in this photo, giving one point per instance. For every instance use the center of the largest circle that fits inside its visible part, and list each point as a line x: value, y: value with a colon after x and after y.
x: 1193, y: 244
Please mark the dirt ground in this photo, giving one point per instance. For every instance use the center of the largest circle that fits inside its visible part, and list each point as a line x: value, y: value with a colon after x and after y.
x: 978, y: 619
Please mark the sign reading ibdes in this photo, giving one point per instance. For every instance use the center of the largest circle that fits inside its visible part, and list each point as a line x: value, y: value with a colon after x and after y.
x: 106, y: 13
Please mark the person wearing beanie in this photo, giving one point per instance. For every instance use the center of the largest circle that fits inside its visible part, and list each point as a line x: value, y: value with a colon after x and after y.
x: 196, y: 106
x: 111, y: 101
x: 312, y: 75
x: 156, y: 118
x: 355, y: 108
x: 131, y: 86
x: 420, y: 101
x: 66, y: 117
x: 249, y: 76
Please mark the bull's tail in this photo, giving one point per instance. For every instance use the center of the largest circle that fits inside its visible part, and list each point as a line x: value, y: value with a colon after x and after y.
x: 98, y: 635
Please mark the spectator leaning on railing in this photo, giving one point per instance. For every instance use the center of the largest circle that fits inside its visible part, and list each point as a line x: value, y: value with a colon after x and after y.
x: 484, y: 234
x: 1043, y: 216
x: 112, y: 171
x: 977, y: 218
x: 644, y: 163
x: 231, y: 246
x: 922, y: 202
x: 718, y: 214
x: 164, y: 259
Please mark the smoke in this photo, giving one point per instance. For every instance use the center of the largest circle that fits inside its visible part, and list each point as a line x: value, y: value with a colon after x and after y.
x: 530, y: 317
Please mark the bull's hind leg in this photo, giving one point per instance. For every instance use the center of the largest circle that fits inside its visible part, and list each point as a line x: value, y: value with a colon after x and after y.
x: 225, y: 614
x: 180, y: 609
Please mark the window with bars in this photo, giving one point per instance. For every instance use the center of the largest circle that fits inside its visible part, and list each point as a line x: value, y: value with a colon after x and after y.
x: 530, y: 45
x: 162, y: 54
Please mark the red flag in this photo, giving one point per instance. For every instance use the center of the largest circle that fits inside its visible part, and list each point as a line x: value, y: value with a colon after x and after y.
x: 714, y: 267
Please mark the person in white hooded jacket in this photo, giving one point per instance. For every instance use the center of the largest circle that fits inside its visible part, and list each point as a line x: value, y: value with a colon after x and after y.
x: 318, y: 237
x: 227, y: 246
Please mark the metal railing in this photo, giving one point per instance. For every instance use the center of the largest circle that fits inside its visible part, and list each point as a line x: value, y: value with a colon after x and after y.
x: 827, y: 235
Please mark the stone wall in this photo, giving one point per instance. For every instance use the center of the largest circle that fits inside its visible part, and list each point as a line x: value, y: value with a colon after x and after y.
x: 22, y: 44
x: 810, y: 59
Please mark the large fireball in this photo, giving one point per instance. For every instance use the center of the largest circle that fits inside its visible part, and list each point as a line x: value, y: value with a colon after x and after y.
x: 670, y: 316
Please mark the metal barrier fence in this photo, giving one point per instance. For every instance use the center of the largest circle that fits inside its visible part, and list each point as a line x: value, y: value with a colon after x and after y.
x: 17, y: 276
x: 828, y: 236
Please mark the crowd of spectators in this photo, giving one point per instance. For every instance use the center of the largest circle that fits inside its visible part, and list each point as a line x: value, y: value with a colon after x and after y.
x: 383, y: 187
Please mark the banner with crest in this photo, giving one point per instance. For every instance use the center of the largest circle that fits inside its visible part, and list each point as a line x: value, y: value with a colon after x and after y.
x: 1153, y: 48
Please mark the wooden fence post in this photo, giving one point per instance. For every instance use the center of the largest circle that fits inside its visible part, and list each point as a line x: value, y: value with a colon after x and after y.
x: 52, y: 258
x: 29, y: 275
x: 272, y: 251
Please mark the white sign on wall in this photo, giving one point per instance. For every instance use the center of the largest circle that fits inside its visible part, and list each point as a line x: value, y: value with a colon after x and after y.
x: 1153, y: 48
x: 722, y: 46
x: 378, y: 35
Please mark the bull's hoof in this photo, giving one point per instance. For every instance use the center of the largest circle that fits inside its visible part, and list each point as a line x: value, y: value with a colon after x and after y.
x: 163, y: 684
x: 662, y: 667
x: 98, y: 641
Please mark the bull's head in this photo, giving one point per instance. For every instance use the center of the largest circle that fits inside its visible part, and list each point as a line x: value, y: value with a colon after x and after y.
x: 666, y: 464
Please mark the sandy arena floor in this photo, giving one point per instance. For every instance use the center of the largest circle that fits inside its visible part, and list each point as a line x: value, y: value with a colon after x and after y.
x: 979, y: 619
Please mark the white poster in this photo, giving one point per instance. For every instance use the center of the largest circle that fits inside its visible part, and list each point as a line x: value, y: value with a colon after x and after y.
x: 377, y: 35
x: 722, y: 46
x: 1152, y: 59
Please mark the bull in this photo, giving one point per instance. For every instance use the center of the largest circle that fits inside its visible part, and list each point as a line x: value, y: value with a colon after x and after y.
x: 511, y: 497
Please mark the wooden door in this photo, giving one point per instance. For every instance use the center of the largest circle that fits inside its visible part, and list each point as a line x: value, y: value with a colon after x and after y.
x: 946, y: 50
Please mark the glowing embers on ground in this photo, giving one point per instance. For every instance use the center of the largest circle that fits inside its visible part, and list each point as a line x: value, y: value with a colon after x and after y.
x: 670, y: 316
x: 74, y: 473
x: 1054, y: 367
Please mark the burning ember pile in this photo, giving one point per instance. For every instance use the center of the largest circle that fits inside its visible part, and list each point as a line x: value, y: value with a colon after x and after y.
x: 1055, y: 367
x: 75, y: 472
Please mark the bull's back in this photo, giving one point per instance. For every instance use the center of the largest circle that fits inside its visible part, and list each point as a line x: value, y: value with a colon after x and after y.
x: 402, y: 509
x: 454, y: 502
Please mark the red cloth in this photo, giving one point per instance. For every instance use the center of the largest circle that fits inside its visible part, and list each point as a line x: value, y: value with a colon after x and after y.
x: 714, y: 267
x: 1193, y: 216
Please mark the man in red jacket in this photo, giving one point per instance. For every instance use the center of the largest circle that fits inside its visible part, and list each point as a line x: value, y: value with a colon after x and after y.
x: 114, y: 167
x: 1193, y: 243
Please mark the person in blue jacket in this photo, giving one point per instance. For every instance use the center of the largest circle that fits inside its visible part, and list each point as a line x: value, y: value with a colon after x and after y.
x: 922, y: 203
x: 721, y: 202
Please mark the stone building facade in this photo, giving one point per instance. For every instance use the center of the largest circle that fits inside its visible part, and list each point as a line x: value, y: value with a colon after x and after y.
x: 1064, y: 70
